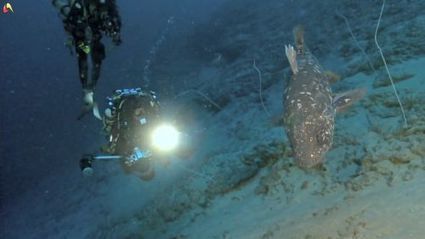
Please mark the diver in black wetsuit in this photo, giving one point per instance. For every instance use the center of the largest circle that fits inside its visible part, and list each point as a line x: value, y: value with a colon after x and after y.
x: 131, y: 116
x: 85, y: 21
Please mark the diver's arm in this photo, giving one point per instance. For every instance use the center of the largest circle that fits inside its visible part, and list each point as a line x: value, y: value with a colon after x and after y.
x: 114, y: 15
x: 114, y: 22
x: 64, y: 8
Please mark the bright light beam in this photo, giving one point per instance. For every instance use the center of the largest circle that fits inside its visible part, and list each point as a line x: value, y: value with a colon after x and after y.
x: 165, y: 137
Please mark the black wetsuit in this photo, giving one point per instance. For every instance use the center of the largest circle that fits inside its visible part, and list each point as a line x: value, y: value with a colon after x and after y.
x: 86, y: 22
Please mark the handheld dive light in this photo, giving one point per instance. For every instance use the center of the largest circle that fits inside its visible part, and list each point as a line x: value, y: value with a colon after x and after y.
x: 165, y: 137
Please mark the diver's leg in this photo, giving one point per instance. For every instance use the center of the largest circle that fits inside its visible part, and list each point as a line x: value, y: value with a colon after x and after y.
x: 88, y: 95
x: 98, y: 54
x: 83, y: 71
x: 82, y: 68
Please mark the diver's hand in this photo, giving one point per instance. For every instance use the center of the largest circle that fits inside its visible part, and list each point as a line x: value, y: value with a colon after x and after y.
x: 116, y: 39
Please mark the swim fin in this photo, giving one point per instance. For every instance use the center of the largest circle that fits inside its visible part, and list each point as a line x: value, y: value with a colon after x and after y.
x: 89, y: 105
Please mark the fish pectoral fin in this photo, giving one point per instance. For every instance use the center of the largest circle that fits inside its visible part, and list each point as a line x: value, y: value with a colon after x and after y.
x: 291, y: 54
x: 332, y: 76
x: 344, y: 100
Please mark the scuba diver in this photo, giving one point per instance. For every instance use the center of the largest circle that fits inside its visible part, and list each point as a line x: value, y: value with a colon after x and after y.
x: 85, y: 21
x: 133, y: 131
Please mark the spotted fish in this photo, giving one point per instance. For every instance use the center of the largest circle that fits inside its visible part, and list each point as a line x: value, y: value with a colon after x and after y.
x: 309, y: 105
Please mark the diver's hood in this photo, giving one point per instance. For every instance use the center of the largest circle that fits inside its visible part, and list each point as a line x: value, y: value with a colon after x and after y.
x: 64, y: 6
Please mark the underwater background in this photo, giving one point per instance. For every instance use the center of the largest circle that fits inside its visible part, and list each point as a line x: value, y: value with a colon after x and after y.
x: 219, y: 68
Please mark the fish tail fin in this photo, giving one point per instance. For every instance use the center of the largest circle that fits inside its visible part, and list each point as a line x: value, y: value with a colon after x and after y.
x: 299, y: 38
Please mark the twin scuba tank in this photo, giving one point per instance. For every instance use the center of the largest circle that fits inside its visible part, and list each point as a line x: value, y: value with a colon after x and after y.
x: 65, y: 8
x: 113, y: 115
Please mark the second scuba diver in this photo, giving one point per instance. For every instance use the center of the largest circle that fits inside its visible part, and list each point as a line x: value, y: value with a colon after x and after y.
x: 134, y: 133
x: 85, y: 21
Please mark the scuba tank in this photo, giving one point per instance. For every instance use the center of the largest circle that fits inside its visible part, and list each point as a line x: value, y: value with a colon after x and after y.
x: 66, y: 13
x: 119, y: 123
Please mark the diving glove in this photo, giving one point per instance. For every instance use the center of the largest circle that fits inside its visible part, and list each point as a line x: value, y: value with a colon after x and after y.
x: 116, y: 39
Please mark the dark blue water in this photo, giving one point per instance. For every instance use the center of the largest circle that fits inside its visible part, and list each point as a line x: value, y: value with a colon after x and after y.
x: 201, y: 56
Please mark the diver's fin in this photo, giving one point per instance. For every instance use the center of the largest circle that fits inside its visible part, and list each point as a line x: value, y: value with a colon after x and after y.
x: 344, y: 100
x: 89, y: 105
x: 96, y: 111
x: 84, y: 111
x: 90, y: 108
x: 88, y: 97
x: 291, y: 54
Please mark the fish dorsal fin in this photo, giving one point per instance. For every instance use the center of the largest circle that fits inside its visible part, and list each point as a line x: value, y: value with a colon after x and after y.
x: 299, y: 39
x: 292, y: 58
x: 344, y: 100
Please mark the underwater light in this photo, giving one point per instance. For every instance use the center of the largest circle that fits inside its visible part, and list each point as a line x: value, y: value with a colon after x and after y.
x: 165, y: 137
